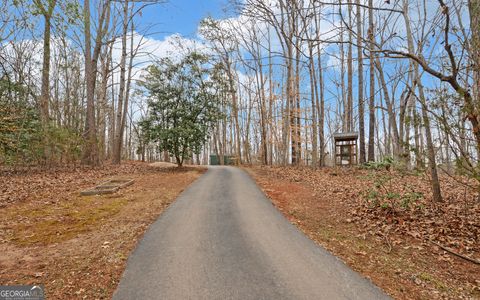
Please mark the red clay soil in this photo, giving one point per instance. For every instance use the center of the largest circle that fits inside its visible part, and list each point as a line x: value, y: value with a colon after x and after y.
x: 388, y: 230
x: 77, y: 246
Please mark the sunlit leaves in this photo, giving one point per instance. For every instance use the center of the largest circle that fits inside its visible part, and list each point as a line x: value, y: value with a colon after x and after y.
x: 183, y: 100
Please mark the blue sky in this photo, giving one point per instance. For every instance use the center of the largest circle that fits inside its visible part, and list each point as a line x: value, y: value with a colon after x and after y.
x: 181, y: 16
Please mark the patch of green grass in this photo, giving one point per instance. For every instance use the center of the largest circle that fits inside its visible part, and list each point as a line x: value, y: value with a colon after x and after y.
x: 432, y: 279
x: 327, y: 234
x: 55, y: 223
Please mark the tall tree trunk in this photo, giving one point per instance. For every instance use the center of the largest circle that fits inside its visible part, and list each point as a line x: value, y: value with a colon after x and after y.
x: 350, y: 72
x: 90, y: 155
x: 291, y: 105
x: 45, y: 89
x: 127, y: 92
x: 437, y: 196
x: 321, y: 94
x: 391, y: 115
x: 271, y: 99
x: 47, y: 13
x: 417, y: 129
x: 361, y: 100
x: 432, y: 164
x: 118, y: 137
x: 298, y: 123
x: 234, y: 110
x: 314, y: 96
x: 262, y: 107
x: 90, y: 151
x: 343, y: 105
x: 112, y: 125
x: 371, y: 103
x: 474, y: 11
x: 246, y: 142
x: 103, y: 100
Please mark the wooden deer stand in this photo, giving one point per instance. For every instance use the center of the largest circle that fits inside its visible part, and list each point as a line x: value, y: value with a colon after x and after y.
x: 346, y: 148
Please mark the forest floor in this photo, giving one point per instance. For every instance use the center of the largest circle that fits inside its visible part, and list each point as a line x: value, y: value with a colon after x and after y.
x: 77, y: 246
x: 385, y: 226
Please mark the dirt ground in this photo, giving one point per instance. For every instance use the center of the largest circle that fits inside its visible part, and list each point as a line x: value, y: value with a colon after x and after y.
x: 75, y: 245
x: 397, y: 241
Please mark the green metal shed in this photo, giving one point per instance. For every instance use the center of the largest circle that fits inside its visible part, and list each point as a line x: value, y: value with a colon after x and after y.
x: 227, y: 159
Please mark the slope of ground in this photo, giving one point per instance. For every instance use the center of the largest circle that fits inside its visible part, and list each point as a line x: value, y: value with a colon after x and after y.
x: 222, y: 239
x: 77, y: 246
x: 384, y: 225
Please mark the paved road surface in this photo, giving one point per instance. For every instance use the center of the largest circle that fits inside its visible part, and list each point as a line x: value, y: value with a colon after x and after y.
x: 222, y: 239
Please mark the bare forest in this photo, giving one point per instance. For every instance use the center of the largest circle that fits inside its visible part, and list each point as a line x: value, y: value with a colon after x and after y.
x: 402, y: 74
x: 270, y: 86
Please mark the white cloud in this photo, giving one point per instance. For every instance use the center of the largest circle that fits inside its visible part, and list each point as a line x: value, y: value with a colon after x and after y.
x: 151, y: 49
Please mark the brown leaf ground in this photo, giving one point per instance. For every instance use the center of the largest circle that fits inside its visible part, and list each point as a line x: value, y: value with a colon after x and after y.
x: 390, y: 245
x: 77, y: 246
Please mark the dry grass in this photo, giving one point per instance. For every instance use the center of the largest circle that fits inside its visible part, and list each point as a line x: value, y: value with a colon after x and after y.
x: 77, y: 246
x: 53, y: 224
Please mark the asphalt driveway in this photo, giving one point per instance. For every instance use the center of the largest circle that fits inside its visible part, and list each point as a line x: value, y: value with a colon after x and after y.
x: 222, y: 239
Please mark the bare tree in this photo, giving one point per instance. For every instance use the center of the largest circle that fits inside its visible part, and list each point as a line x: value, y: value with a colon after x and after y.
x: 371, y: 102
x: 46, y: 11
x: 90, y: 153
x: 361, y: 107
